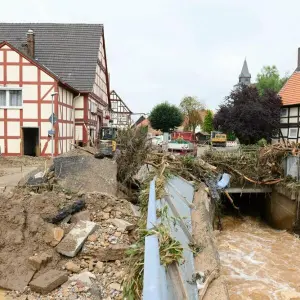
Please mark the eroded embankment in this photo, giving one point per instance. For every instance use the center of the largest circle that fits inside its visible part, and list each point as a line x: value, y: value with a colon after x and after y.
x: 207, y: 261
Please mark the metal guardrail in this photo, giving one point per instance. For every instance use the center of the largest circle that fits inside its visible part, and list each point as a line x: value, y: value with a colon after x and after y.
x: 161, y: 283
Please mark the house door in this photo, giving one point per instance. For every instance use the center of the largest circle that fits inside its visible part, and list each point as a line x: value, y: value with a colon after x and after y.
x: 31, y: 141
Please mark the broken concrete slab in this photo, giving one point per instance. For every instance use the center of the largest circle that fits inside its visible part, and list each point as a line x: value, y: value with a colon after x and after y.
x: 111, y: 253
x: 74, y: 240
x: 16, y: 278
x: 49, y: 281
x: 122, y: 224
x: 81, y: 216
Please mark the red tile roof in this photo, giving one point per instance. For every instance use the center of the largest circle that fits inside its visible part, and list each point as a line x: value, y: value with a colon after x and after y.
x: 290, y: 93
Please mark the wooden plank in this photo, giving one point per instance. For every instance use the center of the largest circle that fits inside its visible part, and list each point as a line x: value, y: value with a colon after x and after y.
x: 177, y: 282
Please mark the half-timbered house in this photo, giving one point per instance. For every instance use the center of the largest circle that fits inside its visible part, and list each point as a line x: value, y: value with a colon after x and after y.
x: 290, y: 112
x: 45, y: 68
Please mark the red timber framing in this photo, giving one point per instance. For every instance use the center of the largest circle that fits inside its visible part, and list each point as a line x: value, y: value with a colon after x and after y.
x: 120, y: 113
x: 41, y: 85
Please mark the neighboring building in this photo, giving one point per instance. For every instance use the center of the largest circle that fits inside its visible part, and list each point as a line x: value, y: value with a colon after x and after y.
x: 39, y: 60
x: 144, y: 122
x: 290, y: 112
x: 245, y: 76
x: 202, y: 114
x: 120, y: 113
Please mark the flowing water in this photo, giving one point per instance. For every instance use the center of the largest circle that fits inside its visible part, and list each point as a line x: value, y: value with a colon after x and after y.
x: 259, y: 262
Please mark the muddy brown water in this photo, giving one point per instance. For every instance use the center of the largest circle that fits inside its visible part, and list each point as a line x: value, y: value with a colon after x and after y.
x: 259, y: 262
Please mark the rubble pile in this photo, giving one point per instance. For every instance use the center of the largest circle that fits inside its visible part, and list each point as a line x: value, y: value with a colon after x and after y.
x: 35, y: 229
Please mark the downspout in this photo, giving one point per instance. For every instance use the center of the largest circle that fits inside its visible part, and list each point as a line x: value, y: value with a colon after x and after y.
x: 73, y: 129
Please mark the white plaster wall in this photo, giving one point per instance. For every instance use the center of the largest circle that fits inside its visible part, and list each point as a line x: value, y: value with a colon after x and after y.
x: 30, y: 124
x: 13, y: 113
x: 293, y: 120
x: 1, y: 72
x: 79, y: 114
x: 30, y: 92
x: 13, y: 56
x: 13, y: 145
x: 46, y: 78
x: 293, y: 111
x: 13, y: 73
x: 2, y: 128
x: 1, y: 56
x: 284, y: 131
x: 45, y: 126
x: 78, y: 132
x: 283, y: 120
x: 1, y: 113
x: 46, y: 110
x: 1, y: 145
x: 30, y: 111
x: 44, y: 89
x: 30, y: 73
x: 13, y: 128
x: 79, y: 102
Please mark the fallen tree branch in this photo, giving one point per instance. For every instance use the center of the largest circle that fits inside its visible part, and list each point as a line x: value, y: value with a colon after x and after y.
x: 231, y: 200
x: 212, y: 276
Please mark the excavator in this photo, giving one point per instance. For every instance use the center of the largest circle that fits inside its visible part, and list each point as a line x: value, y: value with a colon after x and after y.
x: 107, y: 142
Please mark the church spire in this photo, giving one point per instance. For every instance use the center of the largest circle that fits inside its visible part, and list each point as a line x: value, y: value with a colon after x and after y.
x: 245, y: 76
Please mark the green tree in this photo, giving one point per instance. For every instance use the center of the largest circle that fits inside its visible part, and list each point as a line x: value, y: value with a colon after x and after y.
x: 208, y: 122
x: 269, y: 79
x: 191, y: 108
x: 165, y: 117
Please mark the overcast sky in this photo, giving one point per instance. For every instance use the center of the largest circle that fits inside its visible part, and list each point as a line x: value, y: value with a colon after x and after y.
x: 163, y: 50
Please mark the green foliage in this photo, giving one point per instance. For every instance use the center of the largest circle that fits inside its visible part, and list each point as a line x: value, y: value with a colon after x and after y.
x: 208, y: 122
x: 191, y: 108
x: 165, y: 117
x: 269, y: 79
x: 262, y: 143
x: 231, y: 137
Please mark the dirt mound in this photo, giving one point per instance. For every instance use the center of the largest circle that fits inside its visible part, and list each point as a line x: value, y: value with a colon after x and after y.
x: 24, y: 232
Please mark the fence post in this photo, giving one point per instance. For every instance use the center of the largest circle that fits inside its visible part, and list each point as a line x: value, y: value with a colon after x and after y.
x: 151, y: 284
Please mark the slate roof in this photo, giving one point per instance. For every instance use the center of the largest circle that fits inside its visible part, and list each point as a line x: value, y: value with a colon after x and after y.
x: 68, y: 50
x: 245, y: 72
x: 290, y: 92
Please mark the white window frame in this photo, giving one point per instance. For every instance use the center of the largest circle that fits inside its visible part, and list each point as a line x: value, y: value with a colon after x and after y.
x: 8, y: 89
x: 293, y: 136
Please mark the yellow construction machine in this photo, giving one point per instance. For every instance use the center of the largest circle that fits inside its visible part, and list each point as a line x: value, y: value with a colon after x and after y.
x: 218, y: 139
x: 107, y: 142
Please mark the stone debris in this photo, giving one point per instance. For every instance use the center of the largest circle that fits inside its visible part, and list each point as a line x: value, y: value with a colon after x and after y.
x: 72, y: 267
x: 37, y: 261
x: 84, y: 277
x: 122, y: 224
x: 48, y: 282
x: 75, y: 239
x: 53, y: 235
x: 81, y: 216
x: 111, y: 253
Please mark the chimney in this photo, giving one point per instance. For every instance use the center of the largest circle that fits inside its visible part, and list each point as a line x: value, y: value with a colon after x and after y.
x: 30, y: 43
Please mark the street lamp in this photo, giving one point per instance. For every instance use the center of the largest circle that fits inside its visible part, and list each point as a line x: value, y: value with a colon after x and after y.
x: 52, y: 122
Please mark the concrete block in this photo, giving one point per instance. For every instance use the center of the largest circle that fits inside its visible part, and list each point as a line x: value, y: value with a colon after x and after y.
x: 122, y: 224
x: 111, y: 253
x: 49, y: 281
x: 74, y: 240
x: 81, y: 216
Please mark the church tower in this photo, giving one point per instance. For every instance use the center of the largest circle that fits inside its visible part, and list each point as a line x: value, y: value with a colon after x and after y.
x: 245, y: 76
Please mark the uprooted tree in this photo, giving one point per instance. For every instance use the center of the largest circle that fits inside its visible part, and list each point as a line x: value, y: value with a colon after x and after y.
x: 165, y: 117
x: 192, y: 108
x: 249, y: 115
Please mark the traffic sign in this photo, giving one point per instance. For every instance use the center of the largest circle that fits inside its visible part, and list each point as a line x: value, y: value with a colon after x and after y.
x: 53, y: 118
x: 51, y: 132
